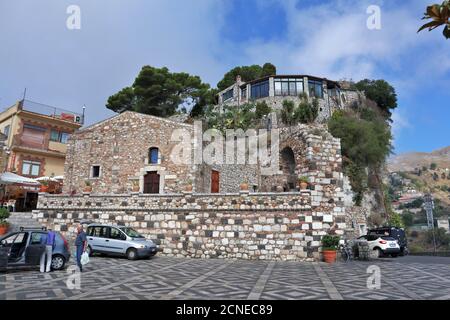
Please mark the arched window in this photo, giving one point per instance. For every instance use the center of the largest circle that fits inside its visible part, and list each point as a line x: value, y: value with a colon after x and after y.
x: 153, y: 154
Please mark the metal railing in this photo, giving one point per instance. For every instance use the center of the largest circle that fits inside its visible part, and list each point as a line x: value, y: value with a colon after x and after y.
x: 50, y: 111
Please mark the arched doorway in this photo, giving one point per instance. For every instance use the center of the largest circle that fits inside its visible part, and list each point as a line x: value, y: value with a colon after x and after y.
x: 288, y: 166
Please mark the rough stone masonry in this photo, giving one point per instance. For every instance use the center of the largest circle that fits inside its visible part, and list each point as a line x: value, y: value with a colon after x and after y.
x: 270, y: 226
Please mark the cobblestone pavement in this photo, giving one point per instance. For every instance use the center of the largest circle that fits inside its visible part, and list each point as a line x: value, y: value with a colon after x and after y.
x: 180, y: 278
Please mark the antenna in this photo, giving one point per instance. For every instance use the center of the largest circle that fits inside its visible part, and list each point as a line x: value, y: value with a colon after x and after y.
x: 24, y: 93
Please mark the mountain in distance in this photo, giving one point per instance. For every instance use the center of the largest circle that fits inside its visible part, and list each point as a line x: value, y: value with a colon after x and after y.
x: 411, y: 160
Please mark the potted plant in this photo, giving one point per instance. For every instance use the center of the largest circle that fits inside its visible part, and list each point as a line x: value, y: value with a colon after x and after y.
x: 303, y: 182
x: 135, y: 186
x: 244, y: 185
x: 87, y: 186
x: 4, y: 225
x: 44, y: 186
x: 188, y: 187
x: 329, y: 247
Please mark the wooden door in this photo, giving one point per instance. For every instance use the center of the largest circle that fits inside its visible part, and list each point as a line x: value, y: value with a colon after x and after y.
x: 215, y: 181
x: 151, y: 182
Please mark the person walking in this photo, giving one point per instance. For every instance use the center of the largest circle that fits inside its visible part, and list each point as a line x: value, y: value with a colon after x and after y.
x: 80, y: 244
x: 46, y: 258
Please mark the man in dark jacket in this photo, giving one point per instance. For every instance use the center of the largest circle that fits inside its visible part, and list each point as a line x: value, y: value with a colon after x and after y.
x: 80, y: 244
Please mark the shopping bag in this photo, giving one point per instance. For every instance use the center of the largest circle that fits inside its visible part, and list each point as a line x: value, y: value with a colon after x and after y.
x: 84, y: 258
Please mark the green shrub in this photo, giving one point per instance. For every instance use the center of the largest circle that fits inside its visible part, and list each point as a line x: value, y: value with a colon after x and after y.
x: 330, y: 242
x: 4, y: 214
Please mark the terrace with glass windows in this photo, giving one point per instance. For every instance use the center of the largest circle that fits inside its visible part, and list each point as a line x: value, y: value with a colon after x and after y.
x: 281, y: 87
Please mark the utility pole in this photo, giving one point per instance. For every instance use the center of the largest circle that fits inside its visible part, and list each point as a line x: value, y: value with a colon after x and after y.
x: 429, y: 206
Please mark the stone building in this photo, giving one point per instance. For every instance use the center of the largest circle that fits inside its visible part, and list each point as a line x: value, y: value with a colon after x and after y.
x: 332, y: 95
x: 136, y: 149
x: 273, y: 220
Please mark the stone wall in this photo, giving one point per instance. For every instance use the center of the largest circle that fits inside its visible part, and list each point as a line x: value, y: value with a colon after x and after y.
x: 120, y: 146
x: 273, y: 226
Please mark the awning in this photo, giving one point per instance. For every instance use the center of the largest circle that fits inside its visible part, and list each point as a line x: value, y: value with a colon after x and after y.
x: 12, y: 178
x: 46, y: 179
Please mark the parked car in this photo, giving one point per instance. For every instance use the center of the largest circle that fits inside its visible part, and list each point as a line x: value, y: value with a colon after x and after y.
x: 118, y: 240
x: 398, y: 234
x: 384, y: 245
x: 23, y: 248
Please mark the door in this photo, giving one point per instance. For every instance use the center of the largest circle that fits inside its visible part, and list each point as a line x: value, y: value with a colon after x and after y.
x: 215, y: 179
x: 96, y: 238
x: 117, y: 241
x: 151, y: 182
x: 14, y: 246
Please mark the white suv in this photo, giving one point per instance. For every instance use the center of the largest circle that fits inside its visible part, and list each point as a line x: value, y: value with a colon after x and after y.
x: 383, y: 245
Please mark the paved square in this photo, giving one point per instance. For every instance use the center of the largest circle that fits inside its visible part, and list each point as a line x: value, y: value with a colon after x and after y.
x: 180, y: 278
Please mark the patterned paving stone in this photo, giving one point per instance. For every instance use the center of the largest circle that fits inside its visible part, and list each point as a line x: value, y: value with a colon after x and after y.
x: 180, y: 278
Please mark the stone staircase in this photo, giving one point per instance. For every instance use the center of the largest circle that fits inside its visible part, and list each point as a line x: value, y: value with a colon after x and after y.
x: 22, y: 219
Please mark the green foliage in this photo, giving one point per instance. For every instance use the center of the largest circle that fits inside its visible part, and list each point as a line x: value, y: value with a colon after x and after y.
x: 440, y: 16
x: 364, y: 144
x: 433, y: 166
x: 308, y: 112
x: 417, y: 203
x: 330, y: 242
x: 232, y: 118
x: 288, y: 112
x: 407, y: 219
x: 442, y: 238
x: 262, y: 110
x: 4, y: 214
x: 305, y: 112
x: 247, y: 73
x: 159, y: 92
x: 396, y: 220
x: 381, y: 92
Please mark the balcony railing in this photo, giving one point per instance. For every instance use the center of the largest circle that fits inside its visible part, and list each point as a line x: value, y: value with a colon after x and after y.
x: 54, y: 112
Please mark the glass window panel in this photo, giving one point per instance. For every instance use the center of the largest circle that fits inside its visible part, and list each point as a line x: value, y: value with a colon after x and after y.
x: 299, y: 87
x: 35, y: 169
x: 292, y: 90
x: 54, y: 135
x: 64, y: 137
x: 277, y: 88
x: 26, y: 168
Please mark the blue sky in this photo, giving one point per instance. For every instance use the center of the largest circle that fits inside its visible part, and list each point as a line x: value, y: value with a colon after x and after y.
x: 69, y: 68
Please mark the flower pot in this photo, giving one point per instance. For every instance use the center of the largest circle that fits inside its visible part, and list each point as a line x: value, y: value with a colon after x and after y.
x: 243, y: 186
x: 3, y: 229
x: 87, y: 189
x: 136, y: 189
x: 44, y: 188
x: 329, y: 256
x: 303, y: 185
x: 188, y: 188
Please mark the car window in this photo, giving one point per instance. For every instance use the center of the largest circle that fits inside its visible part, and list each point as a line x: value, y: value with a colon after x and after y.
x: 372, y: 237
x: 99, y: 232
x: 363, y: 238
x: 388, y: 238
x: 38, y: 237
x: 116, y: 234
x: 131, y: 233
x: 9, y: 240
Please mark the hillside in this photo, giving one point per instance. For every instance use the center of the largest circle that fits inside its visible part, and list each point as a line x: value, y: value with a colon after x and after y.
x: 411, y: 160
x: 416, y: 167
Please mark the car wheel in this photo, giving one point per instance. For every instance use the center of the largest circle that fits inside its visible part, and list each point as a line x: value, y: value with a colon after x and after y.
x: 379, y: 253
x: 90, y: 251
x: 131, y: 254
x: 58, y: 262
